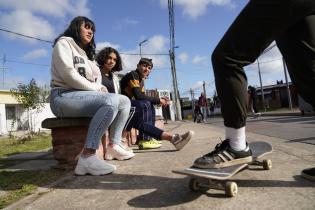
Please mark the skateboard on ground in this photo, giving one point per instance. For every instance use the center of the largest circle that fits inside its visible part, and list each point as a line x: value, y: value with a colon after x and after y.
x: 218, y: 178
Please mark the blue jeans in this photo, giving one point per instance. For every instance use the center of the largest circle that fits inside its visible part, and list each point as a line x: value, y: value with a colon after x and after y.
x: 106, y: 109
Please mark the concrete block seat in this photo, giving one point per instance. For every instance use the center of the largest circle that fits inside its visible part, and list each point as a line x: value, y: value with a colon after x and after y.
x: 69, y: 135
x: 68, y: 139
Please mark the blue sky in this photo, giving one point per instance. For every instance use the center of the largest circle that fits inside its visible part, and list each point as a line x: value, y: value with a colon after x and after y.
x: 123, y: 24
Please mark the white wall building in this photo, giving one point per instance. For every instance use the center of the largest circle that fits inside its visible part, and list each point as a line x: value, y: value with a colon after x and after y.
x: 14, y: 117
x: 170, y: 110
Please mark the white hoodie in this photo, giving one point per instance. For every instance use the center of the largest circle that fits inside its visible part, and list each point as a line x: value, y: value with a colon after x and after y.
x: 71, y: 68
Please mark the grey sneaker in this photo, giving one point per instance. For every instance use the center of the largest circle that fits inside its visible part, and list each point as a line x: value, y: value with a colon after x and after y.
x: 179, y: 141
x: 223, y: 156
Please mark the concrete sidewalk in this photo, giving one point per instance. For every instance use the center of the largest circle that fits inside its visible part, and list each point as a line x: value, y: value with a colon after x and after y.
x: 147, y: 181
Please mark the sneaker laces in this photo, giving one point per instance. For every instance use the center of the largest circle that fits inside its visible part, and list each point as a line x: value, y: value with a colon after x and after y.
x: 218, y: 148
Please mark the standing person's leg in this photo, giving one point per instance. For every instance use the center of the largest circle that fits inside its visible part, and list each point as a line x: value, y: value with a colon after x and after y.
x: 297, y: 46
x: 102, y: 107
x: 259, y: 23
x: 255, y: 105
x: 204, y: 113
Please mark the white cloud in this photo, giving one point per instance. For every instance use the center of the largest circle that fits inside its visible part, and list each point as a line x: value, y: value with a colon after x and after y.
x: 197, y: 86
x: 101, y: 45
x: 123, y: 23
x: 199, y: 59
x: 35, y: 54
x: 56, y: 8
x: 130, y: 21
x: 26, y: 23
x: 12, y: 81
x: 271, y: 61
x: 183, y: 57
x: 30, y: 17
x: 155, y: 45
x: 195, y: 9
x: 271, y: 68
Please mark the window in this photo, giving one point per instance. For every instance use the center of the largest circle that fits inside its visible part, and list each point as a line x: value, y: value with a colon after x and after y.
x: 10, y: 111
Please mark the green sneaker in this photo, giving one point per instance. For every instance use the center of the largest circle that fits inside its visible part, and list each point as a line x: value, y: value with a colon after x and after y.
x: 156, y: 141
x: 149, y: 144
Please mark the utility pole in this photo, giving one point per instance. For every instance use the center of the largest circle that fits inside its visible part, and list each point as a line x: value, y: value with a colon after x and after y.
x: 192, y: 95
x: 176, y: 95
x: 261, y: 87
x: 178, y: 115
x: 287, y: 84
x: 3, y: 69
x: 204, y: 92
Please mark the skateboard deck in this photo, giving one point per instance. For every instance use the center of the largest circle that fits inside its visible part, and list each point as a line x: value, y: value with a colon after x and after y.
x: 259, y: 149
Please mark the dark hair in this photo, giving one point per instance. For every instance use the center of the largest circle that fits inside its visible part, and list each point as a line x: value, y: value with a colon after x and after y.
x: 73, y: 31
x: 146, y: 61
x: 103, y: 54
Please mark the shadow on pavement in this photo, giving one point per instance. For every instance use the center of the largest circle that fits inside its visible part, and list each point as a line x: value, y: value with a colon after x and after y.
x: 164, y: 191
x: 167, y: 191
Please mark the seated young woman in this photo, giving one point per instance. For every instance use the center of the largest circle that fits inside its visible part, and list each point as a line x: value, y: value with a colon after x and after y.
x: 76, y: 91
x: 109, y: 61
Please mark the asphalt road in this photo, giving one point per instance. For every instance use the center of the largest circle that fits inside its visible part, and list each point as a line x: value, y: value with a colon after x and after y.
x: 288, y: 128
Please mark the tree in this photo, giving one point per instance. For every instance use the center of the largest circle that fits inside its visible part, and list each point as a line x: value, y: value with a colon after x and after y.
x: 29, y: 95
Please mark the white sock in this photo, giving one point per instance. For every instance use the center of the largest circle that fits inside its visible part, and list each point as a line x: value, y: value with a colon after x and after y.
x: 237, y: 138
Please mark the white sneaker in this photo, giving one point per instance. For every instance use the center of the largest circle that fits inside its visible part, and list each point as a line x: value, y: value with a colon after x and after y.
x: 126, y: 147
x: 124, y: 144
x: 179, y: 141
x: 118, y: 152
x: 94, y: 166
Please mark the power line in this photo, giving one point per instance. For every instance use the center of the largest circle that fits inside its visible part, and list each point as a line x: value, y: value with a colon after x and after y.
x: 38, y: 39
x: 29, y: 63
x: 122, y: 53
x: 30, y: 37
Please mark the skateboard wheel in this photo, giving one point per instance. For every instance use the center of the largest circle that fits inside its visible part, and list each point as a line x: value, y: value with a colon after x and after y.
x: 267, y: 164
x: 194, y: 185
x: 231, y: 189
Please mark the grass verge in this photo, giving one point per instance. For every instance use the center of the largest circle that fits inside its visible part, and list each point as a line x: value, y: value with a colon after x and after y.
x: 18, y: 184
x: 11, y: 146
x: 15, y: 185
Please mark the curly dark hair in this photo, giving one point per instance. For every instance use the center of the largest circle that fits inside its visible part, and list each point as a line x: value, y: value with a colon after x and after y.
x: 103, y: 54
x: 73, y: 31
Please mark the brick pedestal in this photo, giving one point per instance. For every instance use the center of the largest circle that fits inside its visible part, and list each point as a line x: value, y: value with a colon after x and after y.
x: 69, y: 136
x: 68, y: 139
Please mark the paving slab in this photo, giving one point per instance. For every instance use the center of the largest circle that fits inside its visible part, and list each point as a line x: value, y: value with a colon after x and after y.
x: 146, y: 181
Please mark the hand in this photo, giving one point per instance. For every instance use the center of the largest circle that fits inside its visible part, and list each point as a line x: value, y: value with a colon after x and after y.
x: 164, y: 101
x: 104, y: 89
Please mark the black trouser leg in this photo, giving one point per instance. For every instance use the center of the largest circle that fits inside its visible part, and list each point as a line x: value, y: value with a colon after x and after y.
x: 297, y: 46
x: 260, y: 23
x: 135, y: 120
